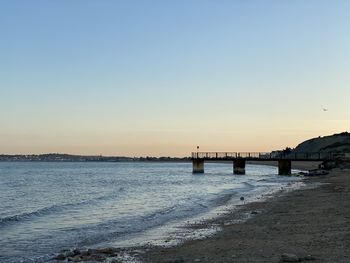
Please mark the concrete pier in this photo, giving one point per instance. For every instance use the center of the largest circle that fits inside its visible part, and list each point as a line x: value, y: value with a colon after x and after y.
x: 198, y: 166
x: 284, y: 167
x: 239, y: 166
x: 239, y: 159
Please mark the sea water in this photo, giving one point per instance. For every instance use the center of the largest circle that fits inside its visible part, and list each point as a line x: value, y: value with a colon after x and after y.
x: 49, y: 206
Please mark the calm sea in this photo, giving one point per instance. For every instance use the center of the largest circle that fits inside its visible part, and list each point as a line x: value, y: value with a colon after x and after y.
x: 47, y: 207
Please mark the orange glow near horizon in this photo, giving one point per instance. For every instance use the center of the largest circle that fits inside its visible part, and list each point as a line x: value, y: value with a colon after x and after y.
x: 160, y: 79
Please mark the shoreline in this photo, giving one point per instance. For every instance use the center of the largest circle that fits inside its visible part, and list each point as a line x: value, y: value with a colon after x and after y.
x: 296, y: 223
x: 152, y: 252
x: 202, y: 225
x: 288, y: 221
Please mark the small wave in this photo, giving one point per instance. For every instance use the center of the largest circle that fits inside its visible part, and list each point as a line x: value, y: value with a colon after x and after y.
x: 263, y: 180
x: 248, y: 185
x: 24, y: 216
x: 165, y: 211
x: 202, y: 205
x: 52, y: 209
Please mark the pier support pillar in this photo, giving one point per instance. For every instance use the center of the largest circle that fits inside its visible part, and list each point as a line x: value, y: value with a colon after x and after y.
x: 284, y: 167
x: 239, y: 166
x: 198, y: 166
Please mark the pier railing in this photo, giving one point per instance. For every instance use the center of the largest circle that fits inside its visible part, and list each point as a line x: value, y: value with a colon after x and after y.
x: 313, y: 156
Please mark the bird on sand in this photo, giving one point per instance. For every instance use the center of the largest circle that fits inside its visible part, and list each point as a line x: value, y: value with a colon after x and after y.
x: 242, y: 199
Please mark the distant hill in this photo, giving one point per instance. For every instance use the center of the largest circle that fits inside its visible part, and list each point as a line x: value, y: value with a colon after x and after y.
x: 58, y: 157
x: 339, y: 143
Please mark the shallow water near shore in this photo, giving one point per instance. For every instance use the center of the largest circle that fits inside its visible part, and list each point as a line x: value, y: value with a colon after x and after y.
x: 47, y: 207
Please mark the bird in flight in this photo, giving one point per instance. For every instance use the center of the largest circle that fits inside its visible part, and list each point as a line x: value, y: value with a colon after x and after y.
x: 324, y: 109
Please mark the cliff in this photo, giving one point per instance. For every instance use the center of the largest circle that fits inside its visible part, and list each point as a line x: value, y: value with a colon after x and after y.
x: 339, y: 143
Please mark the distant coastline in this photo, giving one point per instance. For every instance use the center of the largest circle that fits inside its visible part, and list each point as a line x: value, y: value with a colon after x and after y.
x: 336, y: 143
x: 57, y: 157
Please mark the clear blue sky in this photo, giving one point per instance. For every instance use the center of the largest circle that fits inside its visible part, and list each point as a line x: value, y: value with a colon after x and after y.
x: 160, y: 77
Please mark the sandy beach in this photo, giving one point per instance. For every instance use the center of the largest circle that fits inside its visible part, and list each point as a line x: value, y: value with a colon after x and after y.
x: 311, y: 224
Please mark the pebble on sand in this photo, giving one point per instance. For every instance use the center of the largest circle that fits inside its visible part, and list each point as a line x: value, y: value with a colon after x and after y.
x: 289, y: 258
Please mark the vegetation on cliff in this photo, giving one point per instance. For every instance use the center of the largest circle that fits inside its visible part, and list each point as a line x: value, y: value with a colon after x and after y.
x: 338, y: 143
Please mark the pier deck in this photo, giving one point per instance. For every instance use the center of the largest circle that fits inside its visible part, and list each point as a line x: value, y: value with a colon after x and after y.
x: 239, y: 159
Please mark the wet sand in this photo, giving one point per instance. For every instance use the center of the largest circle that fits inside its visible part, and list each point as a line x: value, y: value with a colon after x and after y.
x: 312, y: 224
